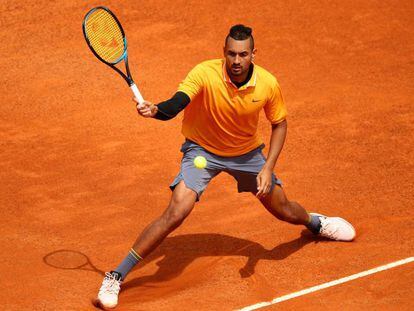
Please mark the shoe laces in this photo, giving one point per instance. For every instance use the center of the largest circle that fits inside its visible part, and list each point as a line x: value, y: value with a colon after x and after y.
x: 327, y: 229
x: 110, y: 284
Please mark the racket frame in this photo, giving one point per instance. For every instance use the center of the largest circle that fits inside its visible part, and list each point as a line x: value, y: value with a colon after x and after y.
x: 128, y: 76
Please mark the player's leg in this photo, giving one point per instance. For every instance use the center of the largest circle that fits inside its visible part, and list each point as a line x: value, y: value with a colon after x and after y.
x: 181, y: 204
x: 279, y: 206
x: 187, y: 188
x: 245, y: 169
x: 334, y: 228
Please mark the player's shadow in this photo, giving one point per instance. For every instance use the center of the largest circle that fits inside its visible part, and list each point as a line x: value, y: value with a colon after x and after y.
x: 178, y: 252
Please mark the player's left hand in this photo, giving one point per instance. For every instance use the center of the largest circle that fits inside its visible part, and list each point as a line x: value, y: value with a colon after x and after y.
x: 264, y: 182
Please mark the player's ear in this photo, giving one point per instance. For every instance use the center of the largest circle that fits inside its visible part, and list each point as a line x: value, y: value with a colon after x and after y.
x: 254, y: 53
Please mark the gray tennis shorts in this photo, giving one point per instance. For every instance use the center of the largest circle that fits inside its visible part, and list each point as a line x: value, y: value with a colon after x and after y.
x: 243, y: 168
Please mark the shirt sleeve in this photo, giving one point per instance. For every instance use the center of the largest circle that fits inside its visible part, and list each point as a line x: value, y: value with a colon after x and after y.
x: 193, y: 84
x: 275, y: 108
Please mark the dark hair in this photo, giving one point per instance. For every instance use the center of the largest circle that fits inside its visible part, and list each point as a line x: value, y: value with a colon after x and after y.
x: 240, y: 32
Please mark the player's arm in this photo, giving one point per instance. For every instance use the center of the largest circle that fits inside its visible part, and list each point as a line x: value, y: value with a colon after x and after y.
x: 277, y: 140
x: 189, y: 88
x: 165, y: 110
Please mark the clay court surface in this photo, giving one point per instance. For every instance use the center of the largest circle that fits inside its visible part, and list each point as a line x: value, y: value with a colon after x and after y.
x: 80, y: 171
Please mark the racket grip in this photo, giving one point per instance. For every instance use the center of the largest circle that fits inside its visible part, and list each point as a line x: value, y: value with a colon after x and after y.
x: 137, y: 93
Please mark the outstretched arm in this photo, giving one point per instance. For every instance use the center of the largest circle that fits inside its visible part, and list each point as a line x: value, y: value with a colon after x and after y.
x: 165, y: 110
x: 277, y: 139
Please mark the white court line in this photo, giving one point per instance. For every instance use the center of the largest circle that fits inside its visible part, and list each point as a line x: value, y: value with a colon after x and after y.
x: 329, y: 284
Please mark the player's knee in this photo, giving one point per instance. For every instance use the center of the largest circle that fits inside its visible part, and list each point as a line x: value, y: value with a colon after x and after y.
x: 174, y: 218
x: 176, y: 213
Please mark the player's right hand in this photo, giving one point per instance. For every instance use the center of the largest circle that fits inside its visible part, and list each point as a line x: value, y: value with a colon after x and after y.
x: 146, y: 109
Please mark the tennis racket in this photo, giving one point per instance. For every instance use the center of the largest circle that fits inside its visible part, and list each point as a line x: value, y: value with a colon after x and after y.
x: 106, y: 39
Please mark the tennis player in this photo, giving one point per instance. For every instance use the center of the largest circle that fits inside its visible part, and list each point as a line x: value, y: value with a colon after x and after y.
x: 222, y: 99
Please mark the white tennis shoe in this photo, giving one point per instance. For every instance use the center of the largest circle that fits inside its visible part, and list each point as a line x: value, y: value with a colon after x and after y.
x: 109, y: 291
x: 335, y: 228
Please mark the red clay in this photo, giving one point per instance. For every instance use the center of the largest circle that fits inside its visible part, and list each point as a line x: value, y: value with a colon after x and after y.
x: 81, y: 171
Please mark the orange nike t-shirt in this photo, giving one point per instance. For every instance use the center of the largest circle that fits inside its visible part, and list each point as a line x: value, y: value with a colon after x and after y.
x: 222, y: 118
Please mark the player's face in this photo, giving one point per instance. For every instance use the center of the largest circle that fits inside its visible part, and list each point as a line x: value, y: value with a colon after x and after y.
x: 239, y: 55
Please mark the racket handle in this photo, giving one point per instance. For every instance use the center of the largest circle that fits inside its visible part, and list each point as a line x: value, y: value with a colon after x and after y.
x: 137, y: 93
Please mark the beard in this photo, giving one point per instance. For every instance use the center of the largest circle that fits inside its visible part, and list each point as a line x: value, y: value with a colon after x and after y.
x: 237, y: 71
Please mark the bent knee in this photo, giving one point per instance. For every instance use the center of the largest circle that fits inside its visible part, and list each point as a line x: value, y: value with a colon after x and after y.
x: 284, y: 211
x: 174, y: 218
x: 177, y: 212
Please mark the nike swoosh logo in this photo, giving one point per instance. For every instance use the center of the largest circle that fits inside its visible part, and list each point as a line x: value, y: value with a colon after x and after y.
x: 256, y: 100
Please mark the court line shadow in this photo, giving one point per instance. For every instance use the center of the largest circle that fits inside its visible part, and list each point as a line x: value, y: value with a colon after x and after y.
x: 178, y: 252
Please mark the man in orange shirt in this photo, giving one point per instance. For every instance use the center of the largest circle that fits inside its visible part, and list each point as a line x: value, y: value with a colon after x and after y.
x: 222, y: 99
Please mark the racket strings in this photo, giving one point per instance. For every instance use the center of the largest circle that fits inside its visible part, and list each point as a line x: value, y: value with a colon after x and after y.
x: 105, y: 36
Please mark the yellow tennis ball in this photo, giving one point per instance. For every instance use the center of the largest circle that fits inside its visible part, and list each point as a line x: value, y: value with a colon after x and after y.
x: 200, y: 162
